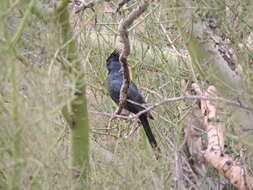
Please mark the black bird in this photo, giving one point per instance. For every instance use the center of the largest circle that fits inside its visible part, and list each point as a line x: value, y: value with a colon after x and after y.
x: 115, y: 79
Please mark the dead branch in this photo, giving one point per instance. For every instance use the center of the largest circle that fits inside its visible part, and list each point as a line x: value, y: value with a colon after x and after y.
x: 123, y: 26
x: 176, y: 99
x: 214, y: 154
x: 210, y: 98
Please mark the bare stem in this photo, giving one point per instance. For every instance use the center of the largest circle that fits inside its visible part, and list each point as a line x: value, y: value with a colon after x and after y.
x: 176, y: 99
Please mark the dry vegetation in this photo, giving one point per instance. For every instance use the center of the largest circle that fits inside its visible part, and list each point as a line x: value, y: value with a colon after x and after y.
x: 34, y: 142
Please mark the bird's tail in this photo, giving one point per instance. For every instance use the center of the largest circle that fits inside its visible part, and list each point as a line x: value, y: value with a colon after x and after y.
x: 148, y: 131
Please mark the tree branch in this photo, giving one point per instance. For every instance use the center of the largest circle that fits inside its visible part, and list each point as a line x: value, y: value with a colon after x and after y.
x: 176, y: 99
x: 123, y: 26
x: 210, y: 98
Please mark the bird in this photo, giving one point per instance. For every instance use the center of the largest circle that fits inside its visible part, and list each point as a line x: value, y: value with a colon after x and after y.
x: 115, y: 80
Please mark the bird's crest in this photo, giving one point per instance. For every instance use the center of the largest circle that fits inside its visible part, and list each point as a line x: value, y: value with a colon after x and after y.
x: 114, y: 55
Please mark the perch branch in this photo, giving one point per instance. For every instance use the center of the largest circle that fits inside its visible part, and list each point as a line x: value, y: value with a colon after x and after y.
x: 123, y: 26
x: 176, y: 99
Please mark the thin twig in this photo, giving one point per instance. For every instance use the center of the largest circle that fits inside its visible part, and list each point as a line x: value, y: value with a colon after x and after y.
x: 83, y: 5
x: 121, y: 3
x: 210, y: 98
x: 133, y: 130
x: 110, y: 115
x: 21, y: 26
x: 153, y: 92
x: 180, y: 98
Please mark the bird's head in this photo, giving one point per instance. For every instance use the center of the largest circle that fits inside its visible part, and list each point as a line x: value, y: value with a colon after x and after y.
x: 112, y: 62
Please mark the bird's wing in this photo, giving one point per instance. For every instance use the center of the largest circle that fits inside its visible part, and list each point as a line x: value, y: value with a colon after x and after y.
x: 114, y: 90
x: 134, y: 95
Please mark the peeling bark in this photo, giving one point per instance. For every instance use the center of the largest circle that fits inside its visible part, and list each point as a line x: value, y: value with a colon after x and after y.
x: 234, y: 171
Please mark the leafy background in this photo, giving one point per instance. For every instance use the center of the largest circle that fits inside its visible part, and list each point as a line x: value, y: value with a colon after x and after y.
x: 33, y: 94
